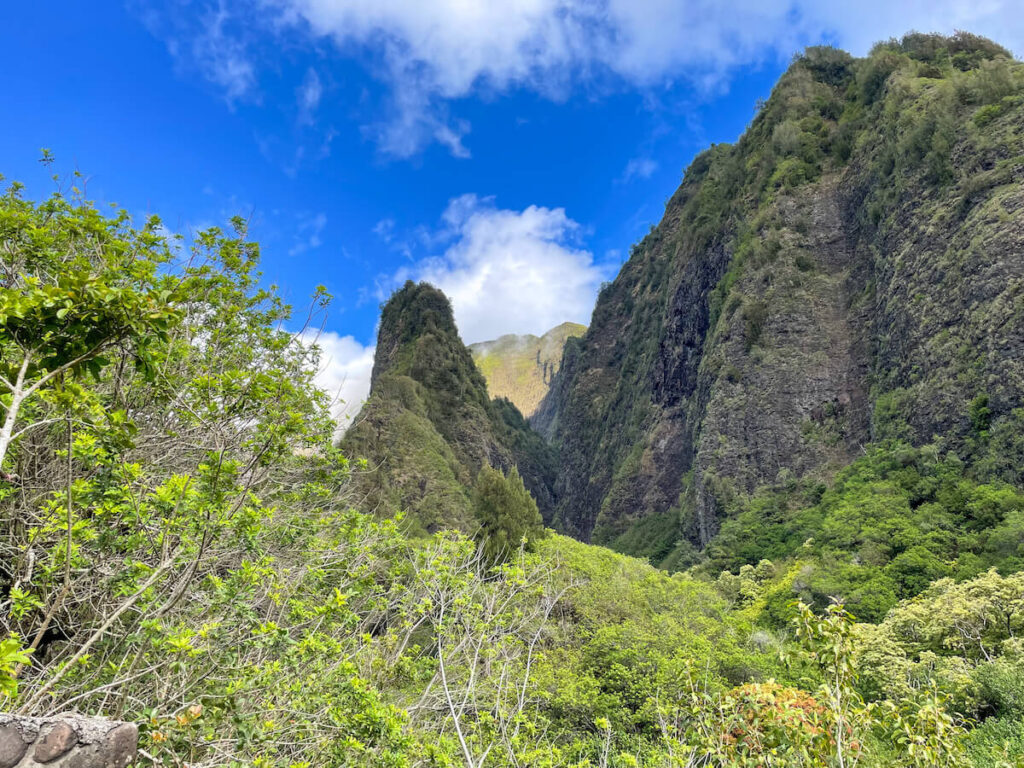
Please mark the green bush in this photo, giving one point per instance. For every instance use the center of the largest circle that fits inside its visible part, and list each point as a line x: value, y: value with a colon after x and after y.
x: 1002, y: 687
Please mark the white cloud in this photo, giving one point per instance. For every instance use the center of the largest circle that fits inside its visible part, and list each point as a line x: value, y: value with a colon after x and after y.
x: 414, y: 120
x: 432, y: 53
x: 344, y: 373
x: 510, y: 271
x: 462, y: 45
x: 215, y: 43
x: 639, y: 168
x: 447, y: 49
x: 308, y: 96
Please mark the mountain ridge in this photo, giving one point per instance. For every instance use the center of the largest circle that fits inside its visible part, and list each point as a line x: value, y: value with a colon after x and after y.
x: 521, y: 367
x: 845, y: 276
x: 766, y: 328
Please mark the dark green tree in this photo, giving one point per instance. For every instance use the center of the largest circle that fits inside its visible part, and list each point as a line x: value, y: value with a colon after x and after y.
x: 506, y: 513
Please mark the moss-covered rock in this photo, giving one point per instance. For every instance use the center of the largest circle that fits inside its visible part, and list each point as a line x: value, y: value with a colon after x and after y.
x: 429, y: 425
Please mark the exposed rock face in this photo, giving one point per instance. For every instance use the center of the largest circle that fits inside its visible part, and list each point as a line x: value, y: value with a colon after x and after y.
x: 429, y: 424
x: 66, y: 742
x: 796, y: 398
x: 851, y: 270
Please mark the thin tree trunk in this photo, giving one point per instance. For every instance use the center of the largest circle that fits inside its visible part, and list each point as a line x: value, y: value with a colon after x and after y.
x: 11, y: 417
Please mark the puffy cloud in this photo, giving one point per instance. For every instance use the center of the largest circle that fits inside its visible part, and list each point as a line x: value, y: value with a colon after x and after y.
x: 344, y: 373
x: 505, y: 271
x: 509, y: 271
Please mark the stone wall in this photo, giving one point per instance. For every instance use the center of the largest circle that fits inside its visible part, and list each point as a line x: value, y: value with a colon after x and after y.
x: 66, y: 742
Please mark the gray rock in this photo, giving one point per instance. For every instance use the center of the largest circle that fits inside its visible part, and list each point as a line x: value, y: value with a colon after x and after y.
x: 120, y: 745
x: 12, y: 746
x: 66, y: 741
x: 55, y: 743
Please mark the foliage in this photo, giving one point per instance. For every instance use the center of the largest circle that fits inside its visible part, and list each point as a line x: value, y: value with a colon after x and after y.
x: 11, y: 655
x: 75, y: 285
x: 894, y: 521
x: 182, y: 545
x: 506, y: 514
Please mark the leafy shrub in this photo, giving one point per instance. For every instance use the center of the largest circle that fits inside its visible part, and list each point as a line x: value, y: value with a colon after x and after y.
x: 804, y: 262
x: 986, y: 114
x: 996, y: 743
x: 874, y: 74
x: 828, y: 65
x: 1002, y: 686
x: 786, y: 138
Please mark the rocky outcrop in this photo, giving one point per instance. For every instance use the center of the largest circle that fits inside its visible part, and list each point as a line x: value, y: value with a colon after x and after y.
x: 66, y: 741
x: 851, y: 270
x: 429, y: 424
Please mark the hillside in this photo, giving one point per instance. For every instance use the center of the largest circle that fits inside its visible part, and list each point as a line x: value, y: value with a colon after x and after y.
x: 521, y: 368
x: 848, y: 273
x: 429, y: 424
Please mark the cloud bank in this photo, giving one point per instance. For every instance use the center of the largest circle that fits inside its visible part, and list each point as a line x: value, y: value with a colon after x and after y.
x: 457, y: 46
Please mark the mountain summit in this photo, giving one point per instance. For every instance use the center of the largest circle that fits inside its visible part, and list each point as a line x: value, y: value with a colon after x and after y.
x: 847, y: 277
x: 429, y: 425
x: 849, y: 272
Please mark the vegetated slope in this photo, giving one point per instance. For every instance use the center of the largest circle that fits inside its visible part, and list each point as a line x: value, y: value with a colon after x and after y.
x: 521, y: 368
x: 181, y: 548
x: 429, y: 424
x: 850, y: 271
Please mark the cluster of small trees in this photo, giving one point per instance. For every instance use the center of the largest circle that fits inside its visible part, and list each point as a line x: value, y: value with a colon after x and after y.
x: 506, y: 513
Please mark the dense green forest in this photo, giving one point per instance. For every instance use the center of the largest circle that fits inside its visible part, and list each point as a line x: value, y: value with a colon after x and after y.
x: 184, y: 544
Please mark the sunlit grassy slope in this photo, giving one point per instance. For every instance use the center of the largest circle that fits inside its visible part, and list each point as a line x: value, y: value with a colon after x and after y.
x: 521, y: 367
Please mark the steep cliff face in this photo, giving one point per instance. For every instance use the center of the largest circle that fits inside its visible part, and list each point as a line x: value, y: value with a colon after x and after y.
x: 851, y: 270
x: 429, y: 424
x: 522, y: 367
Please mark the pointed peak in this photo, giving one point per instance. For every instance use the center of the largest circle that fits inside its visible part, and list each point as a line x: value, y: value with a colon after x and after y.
x: 416, y: 307
x: 413, y: 310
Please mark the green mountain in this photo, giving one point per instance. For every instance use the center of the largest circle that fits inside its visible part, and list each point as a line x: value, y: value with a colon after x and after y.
x: 429, y: 424
x: 830, y: 313
x: 521, y: 368
x: 848, y: 274
x: 801, y: 398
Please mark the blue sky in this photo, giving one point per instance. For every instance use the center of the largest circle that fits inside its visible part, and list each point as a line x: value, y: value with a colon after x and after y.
x: 509, y: 151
